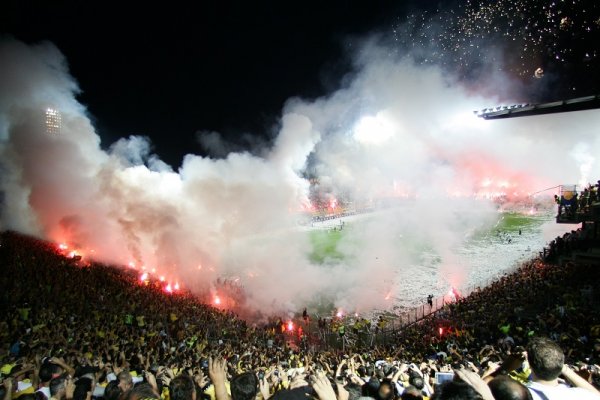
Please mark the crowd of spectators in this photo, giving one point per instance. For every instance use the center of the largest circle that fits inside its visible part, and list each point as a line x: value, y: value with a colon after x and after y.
x: 572, y: 204
x: 589, y: 196
x: 582, y: 239
x: 75, y: 332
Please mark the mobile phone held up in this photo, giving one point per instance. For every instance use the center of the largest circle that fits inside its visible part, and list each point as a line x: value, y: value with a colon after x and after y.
x: 441, y: 377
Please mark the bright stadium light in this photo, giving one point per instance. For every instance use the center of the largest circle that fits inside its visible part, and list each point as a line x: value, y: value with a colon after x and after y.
x: 464, y: 120
x: 373, y: 129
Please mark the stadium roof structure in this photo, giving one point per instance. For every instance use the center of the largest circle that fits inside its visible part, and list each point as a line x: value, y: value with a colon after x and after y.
x: 525, y: 110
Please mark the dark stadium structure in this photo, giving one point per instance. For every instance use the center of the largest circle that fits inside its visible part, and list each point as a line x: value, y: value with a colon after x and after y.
x: 526, y: 110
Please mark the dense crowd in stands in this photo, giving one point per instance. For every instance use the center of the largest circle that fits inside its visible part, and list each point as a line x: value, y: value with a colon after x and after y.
x: 74, y: 332
x: 571, y: 203
x: 589, y: 196
x: 576, y: 240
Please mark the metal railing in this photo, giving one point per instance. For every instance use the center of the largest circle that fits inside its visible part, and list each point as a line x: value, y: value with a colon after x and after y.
x: 394, y: 324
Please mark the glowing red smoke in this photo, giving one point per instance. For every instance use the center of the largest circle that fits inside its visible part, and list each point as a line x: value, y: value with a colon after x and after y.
x: 481, y: 176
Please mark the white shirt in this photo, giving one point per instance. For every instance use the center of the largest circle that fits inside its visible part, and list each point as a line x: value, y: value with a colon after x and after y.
x: 45, y: 390
x: 560, y: 392
x: 98, y: 391
x: 21, y: 385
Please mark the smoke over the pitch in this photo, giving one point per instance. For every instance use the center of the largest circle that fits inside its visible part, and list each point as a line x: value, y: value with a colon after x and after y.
x: 396, y: 130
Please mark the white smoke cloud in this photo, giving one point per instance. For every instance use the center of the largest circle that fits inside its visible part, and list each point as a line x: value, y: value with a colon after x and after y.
x: 213, y: 143
x: 581, y: 154
x: 396, y: 130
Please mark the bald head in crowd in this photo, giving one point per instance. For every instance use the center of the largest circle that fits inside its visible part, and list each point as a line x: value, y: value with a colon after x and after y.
x: 506, y: 388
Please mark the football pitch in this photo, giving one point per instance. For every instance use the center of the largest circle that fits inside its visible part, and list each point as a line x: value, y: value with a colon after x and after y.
x: 325, y: 242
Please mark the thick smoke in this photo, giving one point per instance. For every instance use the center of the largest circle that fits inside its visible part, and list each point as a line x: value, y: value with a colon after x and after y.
x: 396, y: 131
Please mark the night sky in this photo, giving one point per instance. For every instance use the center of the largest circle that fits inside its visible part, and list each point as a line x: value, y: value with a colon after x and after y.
x: 169, y: 71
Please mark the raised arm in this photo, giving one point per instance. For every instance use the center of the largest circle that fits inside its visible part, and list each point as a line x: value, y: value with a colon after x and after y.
x: 217, y: 370
x: 577, y: 380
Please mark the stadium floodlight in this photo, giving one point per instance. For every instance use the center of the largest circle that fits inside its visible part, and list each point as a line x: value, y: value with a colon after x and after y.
x: 527, y: 109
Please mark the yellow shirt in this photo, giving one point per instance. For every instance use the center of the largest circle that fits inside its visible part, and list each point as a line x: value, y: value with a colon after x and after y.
x: 211, y: 390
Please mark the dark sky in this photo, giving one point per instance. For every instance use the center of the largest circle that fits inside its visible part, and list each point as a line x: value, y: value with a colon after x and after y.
x: 170, y: 70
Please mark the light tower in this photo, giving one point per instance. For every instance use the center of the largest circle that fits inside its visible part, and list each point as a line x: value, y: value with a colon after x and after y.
x: 52, y: 121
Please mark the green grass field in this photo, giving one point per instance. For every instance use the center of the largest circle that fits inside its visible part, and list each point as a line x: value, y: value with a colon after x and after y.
x: 325, y: 242
x: 325, y: 246
x: 512, y: 222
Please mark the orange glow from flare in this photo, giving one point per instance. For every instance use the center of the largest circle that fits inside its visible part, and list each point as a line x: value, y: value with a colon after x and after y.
x: 217, y: 300
x: 482, y: 176
x: 455, y: 294
x: 333, y: 203
x: 290, y: 326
